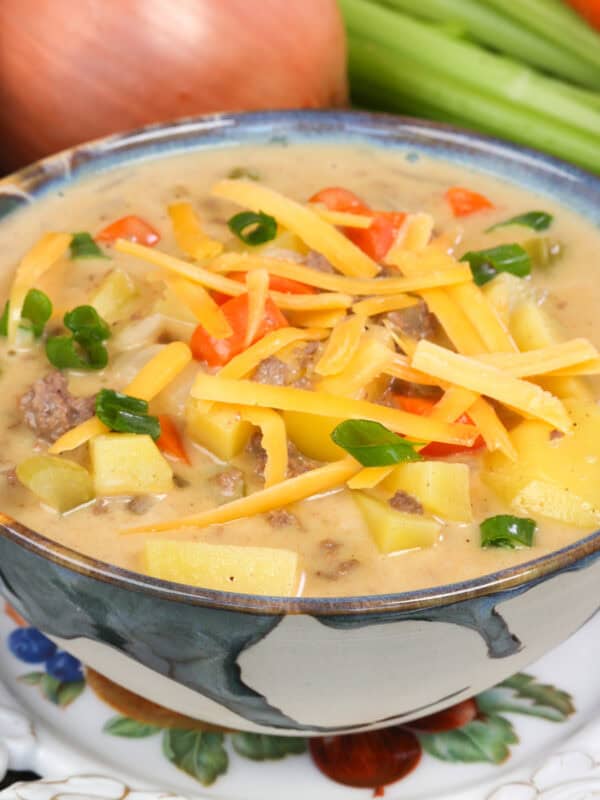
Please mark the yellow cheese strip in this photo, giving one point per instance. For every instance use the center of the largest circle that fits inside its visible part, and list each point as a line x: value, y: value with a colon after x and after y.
x: 257, y: 284
x: 287, y: 398
x: 43, y: 255
x: 274, y: 441
x: 487, y: 380
x: 414, y: 234
x: 316, y: 319
x: 453, y: 404
x: 189, y: 234
x: 591, y: 367
x: 150, y: 381
x: 304, y: 222
x: 380, y: 305
x: 490, y: 427
x: 242, y: 262
x: 344, y: 218
x: 367, y: 363
x: 457, y: 326
x: 369, y: 477
x: 406, y: 343
x: 545, y: 360
x: 274, y: 341
x: 341, y: 345
x: 202, y: 306
x: 279, y: 495
x: 322, y: 301
x: 399, y: 367
x: 482, y: 315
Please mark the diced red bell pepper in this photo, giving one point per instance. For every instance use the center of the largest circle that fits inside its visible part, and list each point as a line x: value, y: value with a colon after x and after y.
x: 169, y: 440
x: 133, y: 228
x: 375, y: 240
x: 217, y: 352
x: 590, y: 9
x: 464, y: 202
x: 423, y: 406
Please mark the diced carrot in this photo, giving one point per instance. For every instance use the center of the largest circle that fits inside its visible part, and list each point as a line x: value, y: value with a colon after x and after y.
x: 464, y: 202
x: 423, y: 407
x: 338, y: 199
x: 590, y: 9
x: 132, y: 228
x: 169, y: 440
x: 217, y: 352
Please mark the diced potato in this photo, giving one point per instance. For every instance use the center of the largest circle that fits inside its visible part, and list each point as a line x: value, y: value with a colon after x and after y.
x: 548, y: 500
x: 128, y: 463
x: 442, y: 488
x: 395, y: 530
x: 570, y: 462
x: 312, y: 435
x: 60, y: 483
x: 221, y: 430
x: 229, y: 568
x: 115, y: 291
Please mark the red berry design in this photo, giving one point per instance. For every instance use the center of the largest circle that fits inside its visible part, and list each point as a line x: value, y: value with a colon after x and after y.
x: 447, y: 720
x: 371, y: 759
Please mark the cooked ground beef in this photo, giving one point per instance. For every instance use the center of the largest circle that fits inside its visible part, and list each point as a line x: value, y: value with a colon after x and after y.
x: 316, y: 261
x: 415, y: 321
x: 297, y: 462
x: 50, y: 410
x: 340, y: 569
x: 556, y: 434
x: 402, y: 501
x: 273, y: 371
x: 280, y: 518
x: 140, y: 504
x: 230, y: 482
x: 11, y: 477
x: 101, y: 506
x: 329, y: 546
x: 180, y: 482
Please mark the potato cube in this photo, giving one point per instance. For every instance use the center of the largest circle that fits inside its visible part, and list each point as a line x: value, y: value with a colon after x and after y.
x: 115, y: 291
x: 128, y: 463
x: 60, y: 483
x: 442, y: 488
x: 547, y: 500
x: 229, y: 568
x: 395, y: 530
x: 506, y: 292
x: 312, y: 435
x: 221, y: 431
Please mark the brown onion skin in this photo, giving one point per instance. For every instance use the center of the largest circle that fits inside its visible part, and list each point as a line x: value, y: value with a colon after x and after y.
x: 73, y: 70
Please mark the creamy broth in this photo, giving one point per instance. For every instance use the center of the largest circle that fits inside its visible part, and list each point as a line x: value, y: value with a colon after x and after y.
x: 337, y: 554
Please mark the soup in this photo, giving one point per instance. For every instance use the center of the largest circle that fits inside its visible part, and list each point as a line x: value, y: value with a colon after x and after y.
x: 318, y: 398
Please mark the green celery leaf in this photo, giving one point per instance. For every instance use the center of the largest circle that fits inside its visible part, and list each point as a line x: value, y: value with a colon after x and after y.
x: 536, y: 220
x: 50, y: 688
x: 372, y: 444
x: 125, y: 414
x: 523, y: 694
x: 507, y: 531
x: 68, y: 692
x: 83, y: 246
x: 262, y: 747
x: 543, y: 251
x: 252, y: 228
x: 4, y: 320
x: 199, y: 753
x: 129, y: 728
x: 31, y: 678
x: 486, y: 264
x: 486, y: 740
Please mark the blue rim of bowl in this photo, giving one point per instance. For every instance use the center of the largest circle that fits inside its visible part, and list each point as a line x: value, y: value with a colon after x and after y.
x: 528, y: 168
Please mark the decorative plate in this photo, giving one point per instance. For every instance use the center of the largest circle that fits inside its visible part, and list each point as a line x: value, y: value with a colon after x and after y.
x: 533, y: 737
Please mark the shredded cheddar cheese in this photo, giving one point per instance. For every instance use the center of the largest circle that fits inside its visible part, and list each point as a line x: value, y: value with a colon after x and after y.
x: 551, y: 360
x: 274, y: 441
x: 369, y: 477
x: 189, y: 234
x: 203, y: 307
x: 345, y: 218
x: 257, y: 283
x: 383, y: 304
x: 342, y: 344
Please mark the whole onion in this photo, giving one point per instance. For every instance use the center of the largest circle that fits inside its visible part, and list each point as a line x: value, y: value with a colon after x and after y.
x: 72, y: 70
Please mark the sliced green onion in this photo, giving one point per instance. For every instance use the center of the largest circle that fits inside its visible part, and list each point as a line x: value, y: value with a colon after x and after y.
x: 253, y: 228
x: 64, y: 352
x: 243, y: 173
x: 86, y: 324
x: 373, y: 445
x: 125, y: 414
x: 543, y: 251
x: 37, y: 309
x: 486, y: 264
x: 536, y: 220
x: 83, y: 246
x: 507, y: 531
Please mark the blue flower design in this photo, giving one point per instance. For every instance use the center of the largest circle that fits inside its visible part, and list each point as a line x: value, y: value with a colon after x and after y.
x: 64, y: 667
x: 30, y: 646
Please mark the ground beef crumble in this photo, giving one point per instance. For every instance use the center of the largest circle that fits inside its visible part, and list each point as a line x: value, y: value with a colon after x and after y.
x: 281, y: 518
x: 415, y: 321
x: 230, y: 482
x: 50, y: 410
x: 402, y: 501
x: 340, y: 569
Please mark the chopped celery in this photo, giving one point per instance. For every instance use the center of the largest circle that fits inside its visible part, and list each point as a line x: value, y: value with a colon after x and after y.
x: 543, y: 250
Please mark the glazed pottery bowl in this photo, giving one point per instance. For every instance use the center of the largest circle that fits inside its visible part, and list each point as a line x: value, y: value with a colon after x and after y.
x: 300, y: 665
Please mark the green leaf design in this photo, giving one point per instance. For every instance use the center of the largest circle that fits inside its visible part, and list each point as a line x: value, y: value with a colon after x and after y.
x: 261, y: 747
x: 484, y: 740
x: 50, y: 687
x: 31, y: 678
x: 523, y: 694
x: 130, y: 728
x: 199, y: 753
x: 68, y: 692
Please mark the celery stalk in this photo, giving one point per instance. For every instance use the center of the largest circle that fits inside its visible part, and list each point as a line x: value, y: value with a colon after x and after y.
x: 557, y: 22
x: 457, y: 60
x: 501, y: 32
x: 389, y: 71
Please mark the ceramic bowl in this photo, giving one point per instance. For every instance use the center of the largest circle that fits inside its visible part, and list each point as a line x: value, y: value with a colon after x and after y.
x: 309, y: 665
